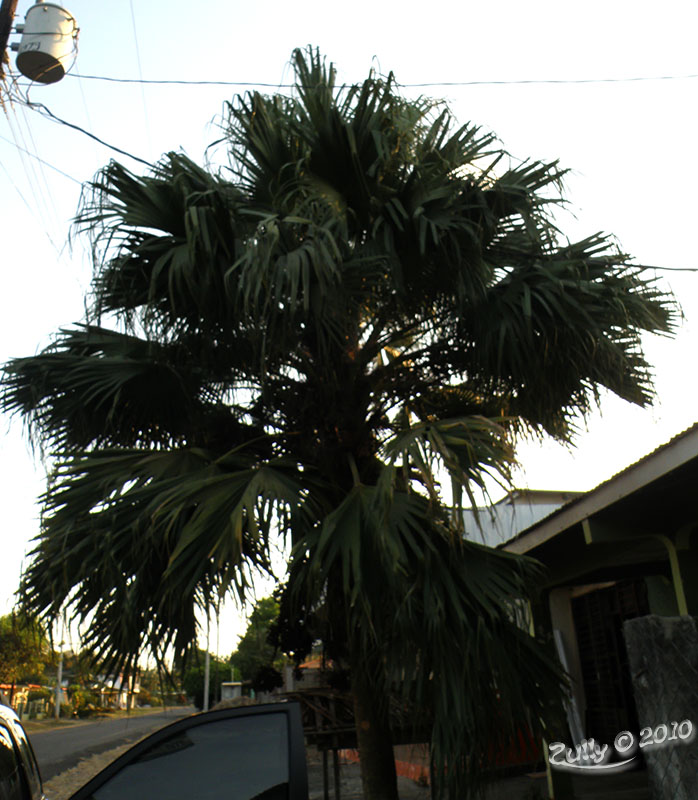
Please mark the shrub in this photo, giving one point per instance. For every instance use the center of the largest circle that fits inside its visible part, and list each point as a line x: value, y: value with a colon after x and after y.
x: 83, y: 701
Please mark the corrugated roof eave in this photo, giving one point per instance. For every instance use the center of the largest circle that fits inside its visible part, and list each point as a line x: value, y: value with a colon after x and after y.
x: 665, y: 458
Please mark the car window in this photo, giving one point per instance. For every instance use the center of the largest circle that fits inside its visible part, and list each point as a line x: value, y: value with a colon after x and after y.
x: 31, y: 770
x: 240, y: 758
x: 10, y: 773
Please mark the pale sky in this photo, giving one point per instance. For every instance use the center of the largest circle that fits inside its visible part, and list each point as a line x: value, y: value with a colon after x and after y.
x: 631, y: 146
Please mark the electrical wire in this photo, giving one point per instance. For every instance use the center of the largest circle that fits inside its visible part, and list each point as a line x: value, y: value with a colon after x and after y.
x: 45, y: 163
x: 30, y: 173
x: 16, y: 188
x: 44, y: 111
x: 46, y: 191
x: 85, y: 106
x: 531, y: 82
x: 140, y: 75
x: 80, y: 83
x: 183, y: 82
x: 39, y: 186
x: 31, y: 211
x: 553, y: 81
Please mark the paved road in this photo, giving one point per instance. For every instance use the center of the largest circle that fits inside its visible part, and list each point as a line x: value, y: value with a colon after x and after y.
x: 62, y: 748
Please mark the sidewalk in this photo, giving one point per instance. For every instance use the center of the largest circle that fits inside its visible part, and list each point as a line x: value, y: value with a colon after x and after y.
x: 627, y: 786
x: 517, y: 788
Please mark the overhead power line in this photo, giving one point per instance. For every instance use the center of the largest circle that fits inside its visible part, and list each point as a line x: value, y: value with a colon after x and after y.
x: 46, y: 112
x: 531, y: 82
x: 140, y: 72
x: 544, y: 81
x: 45, y: 163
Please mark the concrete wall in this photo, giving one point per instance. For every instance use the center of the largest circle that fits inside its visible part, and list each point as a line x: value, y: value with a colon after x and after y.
x: 663, y: 656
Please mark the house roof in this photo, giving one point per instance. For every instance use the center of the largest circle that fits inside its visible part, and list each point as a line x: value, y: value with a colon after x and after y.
x: 516, y: 511
x: 537, y: 496
x: 4, y: 687
x: 657, y: 464
x: 312, y: 663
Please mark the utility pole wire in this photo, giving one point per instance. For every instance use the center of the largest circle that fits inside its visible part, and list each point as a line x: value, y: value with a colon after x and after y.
x: 41, y: 160
x: 436, y: 84
x: 46, y: 112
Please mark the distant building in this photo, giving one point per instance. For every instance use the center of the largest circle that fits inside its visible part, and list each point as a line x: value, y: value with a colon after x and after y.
x: 231, y: 689
x: 518, y: 510
x: 115, y: 691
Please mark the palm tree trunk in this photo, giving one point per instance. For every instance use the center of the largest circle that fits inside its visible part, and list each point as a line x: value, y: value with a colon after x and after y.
x: 374, y: 739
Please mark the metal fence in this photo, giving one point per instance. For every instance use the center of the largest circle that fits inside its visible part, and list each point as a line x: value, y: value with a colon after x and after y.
x: 32, y: 709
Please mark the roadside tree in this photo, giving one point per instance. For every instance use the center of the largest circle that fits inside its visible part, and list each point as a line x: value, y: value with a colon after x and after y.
x: 24, y: 651
x: 194, y: 680
x: 254, y: 658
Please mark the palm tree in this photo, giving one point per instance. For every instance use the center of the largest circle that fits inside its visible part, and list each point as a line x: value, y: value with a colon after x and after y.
x: 293, y: 347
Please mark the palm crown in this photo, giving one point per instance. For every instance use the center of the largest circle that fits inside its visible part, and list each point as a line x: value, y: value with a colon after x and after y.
x: 292, y: 346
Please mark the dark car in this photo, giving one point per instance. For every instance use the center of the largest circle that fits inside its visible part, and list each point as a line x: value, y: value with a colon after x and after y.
x: 249, y: 753
x: 19, y: 773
